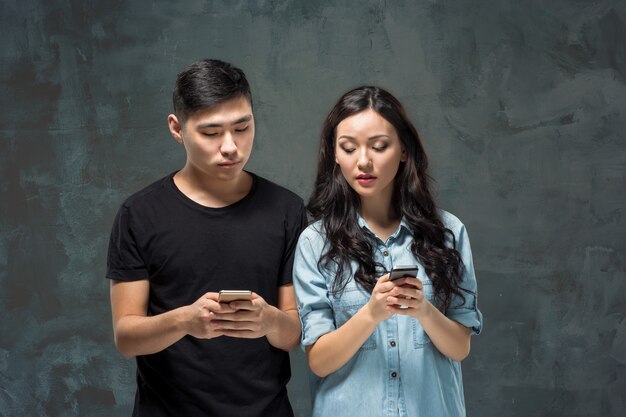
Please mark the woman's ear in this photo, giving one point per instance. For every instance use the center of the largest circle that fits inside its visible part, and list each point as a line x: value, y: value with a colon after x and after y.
x: 403, y: 156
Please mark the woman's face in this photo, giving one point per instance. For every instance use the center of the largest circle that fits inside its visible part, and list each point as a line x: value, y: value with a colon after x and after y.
x: 368, y: 151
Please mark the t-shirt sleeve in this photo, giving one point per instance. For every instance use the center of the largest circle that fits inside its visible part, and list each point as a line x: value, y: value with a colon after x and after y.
x: 293, y: 227
x: 314, y: 305
x: 124, y: 261
x: 464, y: 309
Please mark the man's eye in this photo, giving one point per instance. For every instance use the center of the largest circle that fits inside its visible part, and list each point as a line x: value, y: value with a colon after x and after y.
x: 242, y: 129
x: 210, y: 134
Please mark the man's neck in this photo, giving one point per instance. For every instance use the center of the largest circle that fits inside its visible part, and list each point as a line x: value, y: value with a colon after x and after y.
x: 212, y: 192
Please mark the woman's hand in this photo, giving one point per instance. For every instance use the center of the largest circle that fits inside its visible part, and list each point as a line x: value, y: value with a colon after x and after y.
x: 408, y: 293
x: 451, y: 338
x: 377, y: 306
x: 335, y: 348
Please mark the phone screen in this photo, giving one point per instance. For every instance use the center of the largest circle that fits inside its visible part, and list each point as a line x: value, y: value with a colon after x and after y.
x: 398, y: 272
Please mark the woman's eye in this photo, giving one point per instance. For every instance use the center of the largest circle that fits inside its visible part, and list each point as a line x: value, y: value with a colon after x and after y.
x: 348, y: 150
x: 380, y: 148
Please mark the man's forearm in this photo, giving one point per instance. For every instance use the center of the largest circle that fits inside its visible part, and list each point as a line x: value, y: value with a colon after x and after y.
x: 141, y: 335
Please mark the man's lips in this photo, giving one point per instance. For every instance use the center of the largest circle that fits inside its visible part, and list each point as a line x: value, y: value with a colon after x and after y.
x: 228, y: 164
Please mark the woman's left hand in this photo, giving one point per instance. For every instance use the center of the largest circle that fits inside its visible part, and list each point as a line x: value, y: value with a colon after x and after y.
x: 409, y: 293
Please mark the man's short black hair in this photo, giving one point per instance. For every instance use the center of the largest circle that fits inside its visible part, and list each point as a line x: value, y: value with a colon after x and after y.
x: 206, y: 83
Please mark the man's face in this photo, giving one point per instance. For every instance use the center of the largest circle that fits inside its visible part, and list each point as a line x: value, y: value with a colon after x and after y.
x: 218, y: 140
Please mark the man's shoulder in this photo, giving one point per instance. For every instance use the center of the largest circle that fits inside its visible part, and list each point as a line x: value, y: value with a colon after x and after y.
x: 277, y: 192
x: 148, y: 194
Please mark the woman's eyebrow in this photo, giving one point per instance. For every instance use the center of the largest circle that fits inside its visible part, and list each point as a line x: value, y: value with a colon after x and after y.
x: 381, y: 136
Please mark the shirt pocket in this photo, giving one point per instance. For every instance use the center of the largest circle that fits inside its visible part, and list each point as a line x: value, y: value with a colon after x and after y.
x: 347, y: 305
x: 420, y: 338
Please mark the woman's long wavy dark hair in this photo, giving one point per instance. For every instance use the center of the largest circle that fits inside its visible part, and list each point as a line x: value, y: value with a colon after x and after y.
x: 337, y: 204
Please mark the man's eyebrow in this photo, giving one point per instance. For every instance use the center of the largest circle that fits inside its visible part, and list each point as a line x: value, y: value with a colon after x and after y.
x: 243, y: 119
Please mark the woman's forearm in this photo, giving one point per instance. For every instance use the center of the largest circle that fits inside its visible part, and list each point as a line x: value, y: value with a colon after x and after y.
x: 335, y: 349
x: 451, y: 338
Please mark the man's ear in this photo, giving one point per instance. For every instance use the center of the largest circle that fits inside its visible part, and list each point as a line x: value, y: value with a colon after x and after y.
x: 176, y: 128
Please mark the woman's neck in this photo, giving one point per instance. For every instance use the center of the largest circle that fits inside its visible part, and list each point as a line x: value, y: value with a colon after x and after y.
x: 379, y: 216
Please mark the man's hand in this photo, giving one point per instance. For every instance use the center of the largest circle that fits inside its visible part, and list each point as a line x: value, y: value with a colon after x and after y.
x: 202, y: 316
x: 244, y: 319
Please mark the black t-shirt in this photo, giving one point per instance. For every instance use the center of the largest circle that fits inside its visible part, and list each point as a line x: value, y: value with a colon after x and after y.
x: 185, y: 250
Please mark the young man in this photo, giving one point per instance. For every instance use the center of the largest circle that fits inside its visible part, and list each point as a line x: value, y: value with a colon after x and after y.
x: 208, y: 227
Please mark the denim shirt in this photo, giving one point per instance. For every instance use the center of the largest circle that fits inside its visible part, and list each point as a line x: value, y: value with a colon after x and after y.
x: 397, y: 371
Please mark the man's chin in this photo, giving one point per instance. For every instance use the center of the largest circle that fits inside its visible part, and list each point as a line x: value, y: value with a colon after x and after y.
x: 229, y: 174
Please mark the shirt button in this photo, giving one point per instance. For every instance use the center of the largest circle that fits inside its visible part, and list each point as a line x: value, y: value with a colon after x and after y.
x: 385, y: 253
x: 393, y: 343
x: 394, y: 374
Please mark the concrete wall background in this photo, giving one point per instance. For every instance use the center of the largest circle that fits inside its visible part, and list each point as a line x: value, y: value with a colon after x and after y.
x: 522, y: 107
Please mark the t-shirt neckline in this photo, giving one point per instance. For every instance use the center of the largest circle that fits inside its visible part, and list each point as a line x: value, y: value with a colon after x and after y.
x: 189, y: 202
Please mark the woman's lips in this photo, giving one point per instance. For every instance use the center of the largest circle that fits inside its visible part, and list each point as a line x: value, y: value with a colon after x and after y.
x: 365, y: 179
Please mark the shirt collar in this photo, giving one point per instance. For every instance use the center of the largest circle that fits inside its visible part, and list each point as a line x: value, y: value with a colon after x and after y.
x: 403, y: 224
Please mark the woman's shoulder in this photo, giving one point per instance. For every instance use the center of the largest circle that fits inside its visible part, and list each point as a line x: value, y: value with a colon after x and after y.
x: 312, y: 240
x: 450, y: 221
x: 314, y: 231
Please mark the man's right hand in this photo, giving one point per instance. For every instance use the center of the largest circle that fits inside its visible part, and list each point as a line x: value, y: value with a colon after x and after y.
x: 136, y: 333
x: 201, y: 319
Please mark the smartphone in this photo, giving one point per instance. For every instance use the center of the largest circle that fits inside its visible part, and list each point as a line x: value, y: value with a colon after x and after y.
x: 226, y: 296
x: 402, y: 271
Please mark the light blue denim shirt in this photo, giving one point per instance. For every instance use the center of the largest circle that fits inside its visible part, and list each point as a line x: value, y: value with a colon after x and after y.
x: 397, y: 371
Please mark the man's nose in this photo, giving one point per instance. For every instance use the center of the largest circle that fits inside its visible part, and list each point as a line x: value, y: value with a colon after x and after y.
x: 228, y: 145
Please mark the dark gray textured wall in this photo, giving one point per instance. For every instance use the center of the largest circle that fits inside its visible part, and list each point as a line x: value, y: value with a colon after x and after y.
x: 521, y: 104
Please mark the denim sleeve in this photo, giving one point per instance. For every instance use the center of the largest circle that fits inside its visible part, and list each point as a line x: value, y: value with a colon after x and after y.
x: 465, y: 311
x: 314, y: 305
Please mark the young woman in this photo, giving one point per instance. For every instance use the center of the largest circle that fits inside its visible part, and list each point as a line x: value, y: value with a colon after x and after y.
x: 379, y: 347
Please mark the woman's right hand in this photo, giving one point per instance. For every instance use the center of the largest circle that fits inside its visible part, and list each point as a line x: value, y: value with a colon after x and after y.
x: 377, y: 305
x: 334, y: 349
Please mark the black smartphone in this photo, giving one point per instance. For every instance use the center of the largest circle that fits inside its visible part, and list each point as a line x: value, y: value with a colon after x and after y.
x: 402, y: 271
